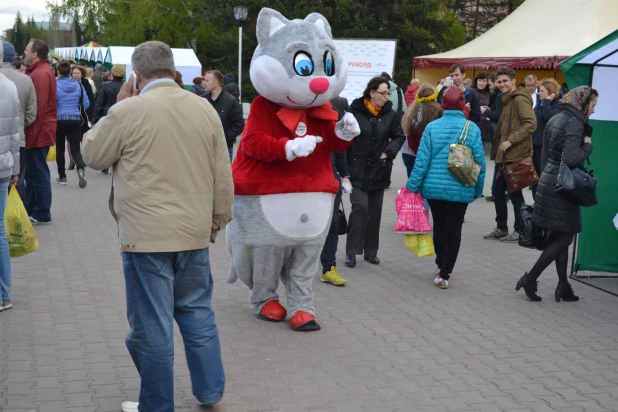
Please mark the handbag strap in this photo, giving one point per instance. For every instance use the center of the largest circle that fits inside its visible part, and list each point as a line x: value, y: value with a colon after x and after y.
x: 81, y: 95
x: 464, y: 134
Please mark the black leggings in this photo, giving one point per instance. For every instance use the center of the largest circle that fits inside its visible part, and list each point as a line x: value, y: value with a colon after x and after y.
x: 557, y: 250
x: 73, y: 132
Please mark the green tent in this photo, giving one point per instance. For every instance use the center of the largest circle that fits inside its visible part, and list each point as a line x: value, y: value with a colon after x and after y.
x: 597, y: 66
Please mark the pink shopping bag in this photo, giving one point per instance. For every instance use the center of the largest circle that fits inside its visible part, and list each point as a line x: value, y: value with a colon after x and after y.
x: 411, y: 214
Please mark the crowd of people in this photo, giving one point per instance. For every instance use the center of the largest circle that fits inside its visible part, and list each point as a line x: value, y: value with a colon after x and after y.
x: 167, y: 218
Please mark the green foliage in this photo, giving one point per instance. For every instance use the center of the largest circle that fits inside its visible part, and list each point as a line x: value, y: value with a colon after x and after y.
x: 419, y: 26
x: 21, y: 33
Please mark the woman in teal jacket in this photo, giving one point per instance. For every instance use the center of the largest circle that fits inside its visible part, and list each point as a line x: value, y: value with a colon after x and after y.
x: 448, y: 198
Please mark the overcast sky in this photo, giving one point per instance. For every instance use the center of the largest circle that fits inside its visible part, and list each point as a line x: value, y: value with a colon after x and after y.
x: 9, y: 8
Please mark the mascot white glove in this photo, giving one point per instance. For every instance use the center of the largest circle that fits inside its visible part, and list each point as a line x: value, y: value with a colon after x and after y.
x: 301, y: 146
x: 347, y: 128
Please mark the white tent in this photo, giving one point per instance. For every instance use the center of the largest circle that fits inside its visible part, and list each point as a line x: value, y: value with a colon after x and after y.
x: 539, y: 34
x: 186, y: 61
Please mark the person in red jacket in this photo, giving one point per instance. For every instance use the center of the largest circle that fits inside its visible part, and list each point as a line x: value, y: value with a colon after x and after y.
x: 411, y: 91
x: 41, y: 134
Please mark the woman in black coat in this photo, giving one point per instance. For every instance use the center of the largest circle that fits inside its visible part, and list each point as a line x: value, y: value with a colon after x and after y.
x: 568, y: 133
x: 549, y: 105
x: 370, y: 162
x: 107, y: 96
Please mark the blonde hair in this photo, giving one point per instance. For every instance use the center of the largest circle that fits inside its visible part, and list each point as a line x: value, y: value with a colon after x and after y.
x: 552, y: 86
x: 118, y: 71
x: 430, y: 111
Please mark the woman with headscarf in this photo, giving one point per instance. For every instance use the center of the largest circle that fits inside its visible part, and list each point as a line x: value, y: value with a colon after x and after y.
x: 448, y: 198
x: 423, y: 110
x: 567, y: 136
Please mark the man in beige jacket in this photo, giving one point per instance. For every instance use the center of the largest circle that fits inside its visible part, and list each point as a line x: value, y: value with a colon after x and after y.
x: 172, y: 192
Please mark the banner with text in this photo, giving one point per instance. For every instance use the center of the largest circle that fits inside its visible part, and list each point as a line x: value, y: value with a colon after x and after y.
x: 365, y: 58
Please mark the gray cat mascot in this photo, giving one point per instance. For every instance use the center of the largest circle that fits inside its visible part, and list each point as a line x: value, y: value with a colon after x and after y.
x: 283, y: 177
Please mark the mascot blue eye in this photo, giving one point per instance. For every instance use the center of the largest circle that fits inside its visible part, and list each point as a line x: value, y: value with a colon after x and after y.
x: 303, y: 65
x: 329, y: 64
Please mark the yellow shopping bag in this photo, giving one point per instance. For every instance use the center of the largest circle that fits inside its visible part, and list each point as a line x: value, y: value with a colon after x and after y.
x: 420, y: 244
x: 19, y: 230
x: 51, y: 155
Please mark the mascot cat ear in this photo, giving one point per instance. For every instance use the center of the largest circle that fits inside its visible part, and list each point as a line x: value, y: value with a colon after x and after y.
x: 321, y: 22
x: 269, y: 21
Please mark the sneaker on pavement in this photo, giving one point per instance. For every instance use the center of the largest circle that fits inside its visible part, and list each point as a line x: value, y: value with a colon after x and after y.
x: 496, y: 234
x: 441, y: 283
x: 128, y: 406
x: 333, y: 277
x: 6, y: 305
x: 82, y: 178
x: 36, y: 222
x: 61, y: 180
x: 512, y: 238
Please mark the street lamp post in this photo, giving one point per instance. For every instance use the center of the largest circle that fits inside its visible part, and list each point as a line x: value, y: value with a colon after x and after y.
x: 240, y: 12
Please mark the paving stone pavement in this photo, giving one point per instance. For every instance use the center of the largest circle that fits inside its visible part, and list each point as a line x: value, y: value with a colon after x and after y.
x: 391, y: 340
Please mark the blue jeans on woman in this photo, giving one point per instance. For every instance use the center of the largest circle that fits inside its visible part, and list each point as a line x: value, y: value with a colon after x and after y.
x: 5, y: 258
x: 161, y: 287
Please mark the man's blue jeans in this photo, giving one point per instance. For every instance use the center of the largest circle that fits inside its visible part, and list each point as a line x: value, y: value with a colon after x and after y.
x: 5, y: 258
x: 38, y: 185
x: 231, y: 152
x: 161, y: 287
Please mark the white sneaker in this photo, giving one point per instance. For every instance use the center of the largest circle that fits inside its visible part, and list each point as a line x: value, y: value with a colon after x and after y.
x: 128, y: 406
x: 441, y: 283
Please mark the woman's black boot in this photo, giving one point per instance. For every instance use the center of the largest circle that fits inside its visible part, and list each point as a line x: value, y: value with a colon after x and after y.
x: 564, y: 291
x: 529, y: 286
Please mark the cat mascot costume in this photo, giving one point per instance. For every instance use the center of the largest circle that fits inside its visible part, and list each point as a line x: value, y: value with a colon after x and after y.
x: 283, y: 176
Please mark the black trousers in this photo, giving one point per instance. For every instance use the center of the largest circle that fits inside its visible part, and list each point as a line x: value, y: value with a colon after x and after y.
x: 72, y: 130
x: 536, y: 161
x: 364, y: 222
x: 502, y: 213
x: 448, y: 220
x: 329, y: 251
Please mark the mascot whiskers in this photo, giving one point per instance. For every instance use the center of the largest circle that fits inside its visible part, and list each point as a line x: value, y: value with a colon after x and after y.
x: 284, y: 184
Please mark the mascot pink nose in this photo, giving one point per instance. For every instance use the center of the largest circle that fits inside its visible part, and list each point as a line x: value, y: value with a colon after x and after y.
x: 319, y: 86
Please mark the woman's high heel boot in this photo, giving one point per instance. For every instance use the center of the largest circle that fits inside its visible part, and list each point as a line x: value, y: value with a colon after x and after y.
x: 530, y: 287
x: 564, y: 291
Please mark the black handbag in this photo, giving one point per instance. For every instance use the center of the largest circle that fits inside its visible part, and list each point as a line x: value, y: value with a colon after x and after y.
x: 577, y: 185
x: 342, y: 222
x: 531, y: 236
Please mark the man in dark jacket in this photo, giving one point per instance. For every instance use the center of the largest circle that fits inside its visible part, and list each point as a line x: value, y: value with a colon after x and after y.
x: 512, y: 142
x: 458, y: 74
x: 493, y: 113
x: 230, y: 85
x: 97, y: 78
x: 41, y: 134
x: 230, y: 111
x: 328, y: 257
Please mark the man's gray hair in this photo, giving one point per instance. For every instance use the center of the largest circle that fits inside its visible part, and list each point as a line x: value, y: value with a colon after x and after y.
x: 532, y: 77
x: 98, y: 66
x: 154, y: 59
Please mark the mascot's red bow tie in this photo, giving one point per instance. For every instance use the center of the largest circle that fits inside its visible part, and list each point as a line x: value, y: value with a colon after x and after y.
x: 291, y: 117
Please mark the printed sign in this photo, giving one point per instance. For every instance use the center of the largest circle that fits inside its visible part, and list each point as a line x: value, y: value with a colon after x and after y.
x: 365, y: 58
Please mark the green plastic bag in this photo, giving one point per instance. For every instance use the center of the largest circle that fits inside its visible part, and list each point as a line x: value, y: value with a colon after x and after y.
x: 420, y: 244
x: 19, y: 230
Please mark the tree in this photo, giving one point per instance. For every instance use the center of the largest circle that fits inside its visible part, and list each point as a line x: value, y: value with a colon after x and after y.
x: 77, y: 28
x: 478, y: 16
x: 19, y: 38
x: 420, y: 26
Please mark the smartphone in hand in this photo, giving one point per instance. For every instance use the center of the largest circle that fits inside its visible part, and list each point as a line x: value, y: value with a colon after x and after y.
x: 134, y: 86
